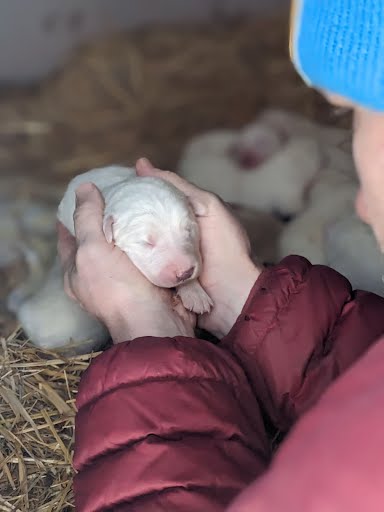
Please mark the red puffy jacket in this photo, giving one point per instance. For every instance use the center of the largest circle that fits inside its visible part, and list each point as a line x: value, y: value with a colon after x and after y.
x: 178, y: 424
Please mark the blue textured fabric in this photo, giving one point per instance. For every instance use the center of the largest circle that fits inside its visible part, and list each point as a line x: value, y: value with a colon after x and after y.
x: 338, y: 45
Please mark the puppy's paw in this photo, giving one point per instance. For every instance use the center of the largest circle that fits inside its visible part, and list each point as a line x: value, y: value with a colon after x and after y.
x: 194, y: 297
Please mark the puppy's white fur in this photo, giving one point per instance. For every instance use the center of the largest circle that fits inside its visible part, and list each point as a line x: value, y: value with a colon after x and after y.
x: 51, y: 320
x: 352, y: 250
x: 286, y: 151
x: 304, y: 169
x: 147, y: 218
x: 331, y: 195
x: 206, y: 161
x: 279, y: 184
x: 276, y: 185
x: 290, y: 124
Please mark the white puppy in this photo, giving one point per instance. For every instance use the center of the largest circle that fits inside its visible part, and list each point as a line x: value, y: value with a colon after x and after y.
x: 51, y: 320
x: 206, y: 161
x: 352, y: 250
x: 276, y: 184
x: 270, y: 164
x: 332, y: 194
x: 286, y: 124
x: 153, y: 223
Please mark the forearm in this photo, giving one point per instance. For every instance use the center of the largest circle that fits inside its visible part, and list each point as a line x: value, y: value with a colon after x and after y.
x: 245, y: 280
x: 301, y: 327
x: 234, y: 294
x: 177, y: 416
x: 280, y: 327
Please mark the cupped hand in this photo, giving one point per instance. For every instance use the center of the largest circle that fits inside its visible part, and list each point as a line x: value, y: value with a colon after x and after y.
x: 228, y: 273
x: 103, y: 280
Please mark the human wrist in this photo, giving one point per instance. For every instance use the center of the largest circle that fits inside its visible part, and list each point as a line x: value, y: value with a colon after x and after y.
x: 159, y: 322
x: 235, y: 295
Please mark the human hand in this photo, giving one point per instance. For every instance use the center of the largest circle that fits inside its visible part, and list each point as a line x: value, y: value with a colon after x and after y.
x: 102, y: 279
x: 228, y: 273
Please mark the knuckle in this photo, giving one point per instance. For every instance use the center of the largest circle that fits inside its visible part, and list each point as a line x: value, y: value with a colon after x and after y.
x: 83, y: 210
x: 81, y: 258
x: 213, y: 200
x: 168, y: 175
x: 79, y: 213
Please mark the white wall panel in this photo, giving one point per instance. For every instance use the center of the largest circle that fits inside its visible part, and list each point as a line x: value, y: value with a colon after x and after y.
x: 37, y: 35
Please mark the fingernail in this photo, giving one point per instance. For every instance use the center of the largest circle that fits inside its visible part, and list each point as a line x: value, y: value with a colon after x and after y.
x: 145, y: 162
x: 83, y: 192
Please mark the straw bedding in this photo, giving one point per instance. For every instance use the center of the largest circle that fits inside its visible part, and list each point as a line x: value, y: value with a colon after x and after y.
x: 133, y: 94
x: 37, y: 408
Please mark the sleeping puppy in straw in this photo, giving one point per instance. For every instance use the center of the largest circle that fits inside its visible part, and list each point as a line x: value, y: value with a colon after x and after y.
x: 148, y: 219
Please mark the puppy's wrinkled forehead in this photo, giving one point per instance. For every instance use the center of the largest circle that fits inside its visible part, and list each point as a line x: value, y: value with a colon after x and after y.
x: 151, y: 204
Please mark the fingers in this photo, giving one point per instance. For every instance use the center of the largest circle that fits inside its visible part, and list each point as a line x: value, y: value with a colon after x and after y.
x: 145, y: 168
x: 187, y: 316
x: 197, y: 197
x: 66, y: 248
x: 88, y: 216
x: 66, y: 245
x: 68, y: 284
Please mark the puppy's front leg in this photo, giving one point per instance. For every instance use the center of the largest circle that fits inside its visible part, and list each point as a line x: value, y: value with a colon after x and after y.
x: 194, y: 297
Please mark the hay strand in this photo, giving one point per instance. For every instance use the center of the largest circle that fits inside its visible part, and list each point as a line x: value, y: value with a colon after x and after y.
x: 37, y: 409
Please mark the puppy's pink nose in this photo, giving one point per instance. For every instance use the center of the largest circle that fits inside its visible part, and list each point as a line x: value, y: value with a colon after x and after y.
x: 185, y: 275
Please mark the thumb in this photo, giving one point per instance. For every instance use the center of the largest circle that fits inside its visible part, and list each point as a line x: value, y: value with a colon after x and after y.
x: 66, y: 246
x: 88, y: 215
x: 144, y: 167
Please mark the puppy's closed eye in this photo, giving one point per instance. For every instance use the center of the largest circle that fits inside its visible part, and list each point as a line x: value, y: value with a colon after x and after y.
x: 148, y: 242
x: 145, y: 243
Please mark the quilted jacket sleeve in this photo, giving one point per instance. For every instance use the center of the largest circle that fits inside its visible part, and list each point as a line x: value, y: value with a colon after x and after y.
x: 165, y: 425
x: 343, y: 468
x: 301, y: 327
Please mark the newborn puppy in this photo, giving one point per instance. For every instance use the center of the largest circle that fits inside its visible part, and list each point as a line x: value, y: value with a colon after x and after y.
x: 255, y: 144
x: 206, y: 161
x: 352, y: 250
x: 148, y: 219
x: 331, y: 194
x: 272, y: 129
x: 52, y: 320
x: 277, y: 185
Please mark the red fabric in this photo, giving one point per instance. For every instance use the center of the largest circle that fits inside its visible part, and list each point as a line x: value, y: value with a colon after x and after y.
x: 167, y: 424
x: 301, y: 327
x: 333, y: 459
x: 175, y: 424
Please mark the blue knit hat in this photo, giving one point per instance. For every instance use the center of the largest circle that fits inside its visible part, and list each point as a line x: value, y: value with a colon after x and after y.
x: 338, y: 46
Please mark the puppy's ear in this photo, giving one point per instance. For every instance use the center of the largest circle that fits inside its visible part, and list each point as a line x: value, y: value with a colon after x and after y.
x: 108, y: 228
